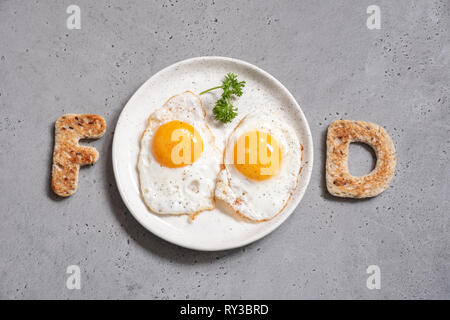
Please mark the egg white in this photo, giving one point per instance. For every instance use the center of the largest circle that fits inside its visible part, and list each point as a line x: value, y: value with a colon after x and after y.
x: 183, y: 190
x: 260, y: 200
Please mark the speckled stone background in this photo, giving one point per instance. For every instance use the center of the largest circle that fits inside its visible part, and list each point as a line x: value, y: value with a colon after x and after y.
x: 322, y: 52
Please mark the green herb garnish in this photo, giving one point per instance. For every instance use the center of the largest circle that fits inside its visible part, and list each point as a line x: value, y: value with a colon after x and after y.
x: 224, y: 111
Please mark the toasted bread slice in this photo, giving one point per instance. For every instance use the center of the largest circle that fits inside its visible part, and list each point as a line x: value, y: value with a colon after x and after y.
x: 68, y: 155
x: 340, y: 182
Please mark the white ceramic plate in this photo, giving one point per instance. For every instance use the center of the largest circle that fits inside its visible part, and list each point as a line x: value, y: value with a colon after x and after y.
x: 218, y: 229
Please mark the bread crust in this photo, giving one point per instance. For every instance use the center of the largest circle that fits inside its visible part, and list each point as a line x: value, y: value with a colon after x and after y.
x: 340, y: 182
x: 68, y: 155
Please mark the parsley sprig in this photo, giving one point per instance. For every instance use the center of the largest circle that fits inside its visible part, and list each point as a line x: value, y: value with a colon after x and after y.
x: 224, y: 110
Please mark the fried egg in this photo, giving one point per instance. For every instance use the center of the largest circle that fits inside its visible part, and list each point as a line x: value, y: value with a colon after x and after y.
x: 262, y: 162
x: 178, y: 160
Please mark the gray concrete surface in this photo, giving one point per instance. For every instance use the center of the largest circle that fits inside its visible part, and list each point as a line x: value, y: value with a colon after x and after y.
x: 324, y: 54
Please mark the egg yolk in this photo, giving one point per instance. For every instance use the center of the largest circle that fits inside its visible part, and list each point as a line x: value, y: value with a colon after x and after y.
x: 257, y: 155
x: 177, y: 144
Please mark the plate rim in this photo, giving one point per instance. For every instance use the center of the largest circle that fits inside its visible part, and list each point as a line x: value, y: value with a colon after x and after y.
x: 251, y: 239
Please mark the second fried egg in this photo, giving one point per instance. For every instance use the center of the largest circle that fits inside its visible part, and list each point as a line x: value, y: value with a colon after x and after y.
x: 262, y: 162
